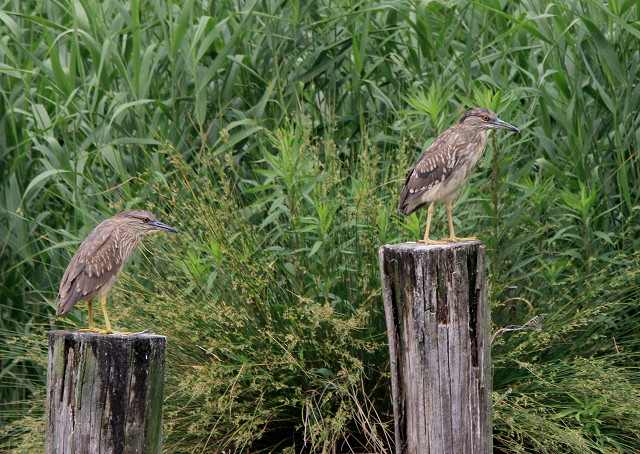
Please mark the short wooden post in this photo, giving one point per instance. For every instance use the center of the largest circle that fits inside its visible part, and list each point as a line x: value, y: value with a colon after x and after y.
x: 105, y: 393
x: 438, y: 322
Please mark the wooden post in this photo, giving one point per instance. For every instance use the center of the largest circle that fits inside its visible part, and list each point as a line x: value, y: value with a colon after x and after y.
x: 438, y: 322
x: 105, y: 393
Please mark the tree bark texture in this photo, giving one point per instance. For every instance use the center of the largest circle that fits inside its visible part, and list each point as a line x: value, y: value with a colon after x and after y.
x: 439, y: 328
x: 105, y: 393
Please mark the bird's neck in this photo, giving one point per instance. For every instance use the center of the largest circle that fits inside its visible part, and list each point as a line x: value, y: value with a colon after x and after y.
x: 128, y: 244
x: 481, y: 137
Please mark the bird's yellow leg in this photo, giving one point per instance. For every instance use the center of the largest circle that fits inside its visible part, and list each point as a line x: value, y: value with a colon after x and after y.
x: 103, y: 303
x: 90, y: 317
x: 426, y: 240
x: 452, y: 237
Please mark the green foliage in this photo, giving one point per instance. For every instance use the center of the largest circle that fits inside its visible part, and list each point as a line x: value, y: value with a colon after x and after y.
x: 269, y: 354
x: 576, y: 380
x: 276, y: 136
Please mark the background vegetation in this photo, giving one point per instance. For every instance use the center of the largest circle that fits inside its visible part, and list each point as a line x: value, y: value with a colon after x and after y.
x: 275, y: 135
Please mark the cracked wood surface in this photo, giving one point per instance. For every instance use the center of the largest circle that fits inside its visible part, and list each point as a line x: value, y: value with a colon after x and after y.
x: 105, y: 393
x: 439, y: 329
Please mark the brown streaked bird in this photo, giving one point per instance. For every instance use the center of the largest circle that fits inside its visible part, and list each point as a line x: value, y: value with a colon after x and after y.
x: 99, y: 260
x: 446, y: 164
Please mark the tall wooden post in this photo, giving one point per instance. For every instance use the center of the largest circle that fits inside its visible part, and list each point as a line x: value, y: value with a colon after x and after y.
x: 105, y: 393
x: 438, y: 322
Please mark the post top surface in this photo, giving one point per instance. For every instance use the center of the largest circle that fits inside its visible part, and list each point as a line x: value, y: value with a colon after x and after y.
x: 90, y: 335
x: 414, y: 245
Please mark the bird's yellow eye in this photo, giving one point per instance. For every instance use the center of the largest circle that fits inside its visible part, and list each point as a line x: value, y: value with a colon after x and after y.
x: 145, y: 220
x: 485, y: 118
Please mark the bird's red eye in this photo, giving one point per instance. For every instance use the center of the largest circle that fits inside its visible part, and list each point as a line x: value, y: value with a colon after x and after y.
x: 145, y: 220
x: 485, y: 118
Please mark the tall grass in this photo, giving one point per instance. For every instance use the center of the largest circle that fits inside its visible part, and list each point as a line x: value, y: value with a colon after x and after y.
x: 276, y: 136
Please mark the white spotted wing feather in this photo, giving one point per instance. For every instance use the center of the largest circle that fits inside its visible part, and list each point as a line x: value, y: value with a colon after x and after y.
x: 94, y: 268
x: 441, y: 170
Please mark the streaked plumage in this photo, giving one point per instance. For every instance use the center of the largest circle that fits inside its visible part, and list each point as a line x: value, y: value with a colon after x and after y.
x: 446, y: 164
x: 99, y: 260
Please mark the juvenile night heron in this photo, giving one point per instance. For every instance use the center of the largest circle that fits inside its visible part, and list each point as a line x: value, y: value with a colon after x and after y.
x: 446, y: 164
x: 99, y: 260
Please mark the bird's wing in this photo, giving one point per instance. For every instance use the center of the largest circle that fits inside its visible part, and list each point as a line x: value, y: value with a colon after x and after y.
x: 433, y: 166
x: 94, y: 263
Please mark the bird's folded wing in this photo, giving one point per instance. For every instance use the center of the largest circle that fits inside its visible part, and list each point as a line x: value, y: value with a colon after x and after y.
x: 434, y: 166
x: 91, y: 267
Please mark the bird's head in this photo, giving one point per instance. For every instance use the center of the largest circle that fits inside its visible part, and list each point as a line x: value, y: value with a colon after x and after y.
x: 142, y: 222
x: 485, y: 119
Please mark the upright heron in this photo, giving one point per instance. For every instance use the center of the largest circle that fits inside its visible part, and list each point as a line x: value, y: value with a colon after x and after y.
x: 446, y: 164
x: 99, y: 260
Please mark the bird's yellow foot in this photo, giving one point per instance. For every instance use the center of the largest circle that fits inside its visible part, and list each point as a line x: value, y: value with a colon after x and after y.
x: 456, y: 239
x: 428, y: 242
x: 103, y: 331
x: 110, y: 331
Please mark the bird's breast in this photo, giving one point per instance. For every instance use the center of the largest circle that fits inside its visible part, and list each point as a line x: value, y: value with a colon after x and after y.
x: 468, y: 156
x: 447, y: 189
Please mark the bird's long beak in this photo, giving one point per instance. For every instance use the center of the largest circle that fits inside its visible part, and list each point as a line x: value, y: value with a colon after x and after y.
x: 160, y: 226
x: 499, y: 124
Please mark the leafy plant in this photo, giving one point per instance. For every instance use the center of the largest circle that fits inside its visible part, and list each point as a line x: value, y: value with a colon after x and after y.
x: 277, y: 136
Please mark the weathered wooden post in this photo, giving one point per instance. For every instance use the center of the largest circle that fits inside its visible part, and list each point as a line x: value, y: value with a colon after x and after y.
x: 105, y: 393
x: 438, y: 322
